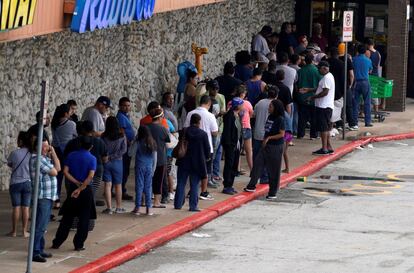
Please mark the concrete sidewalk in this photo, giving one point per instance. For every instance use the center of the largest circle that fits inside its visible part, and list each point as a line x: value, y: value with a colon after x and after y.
x: 114, y: 231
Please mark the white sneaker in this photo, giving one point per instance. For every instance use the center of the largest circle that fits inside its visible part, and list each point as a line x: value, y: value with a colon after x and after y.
x: 172, y: 195
x: 334, y: 132
x: 354, y: 128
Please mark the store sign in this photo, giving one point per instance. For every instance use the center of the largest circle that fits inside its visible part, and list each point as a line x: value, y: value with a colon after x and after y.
x: 93, y: 14
x: 347, y: 26
x: 16, y: 13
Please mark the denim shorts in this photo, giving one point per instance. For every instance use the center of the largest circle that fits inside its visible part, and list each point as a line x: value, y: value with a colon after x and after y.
x: 113, y: 172
x: 21, y: 194
x: 247, y: 133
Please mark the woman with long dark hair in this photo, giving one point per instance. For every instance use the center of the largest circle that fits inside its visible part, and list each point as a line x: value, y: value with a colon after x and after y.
x: 63, y: 130
x: 270, y: 155
x: 116, y: 146
x: 145, y: 164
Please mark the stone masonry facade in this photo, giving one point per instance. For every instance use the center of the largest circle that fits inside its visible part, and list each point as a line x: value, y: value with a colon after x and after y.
x: 138, y: 60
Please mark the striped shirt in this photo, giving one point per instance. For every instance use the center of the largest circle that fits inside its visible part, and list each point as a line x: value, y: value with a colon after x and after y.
x: 47, y: 183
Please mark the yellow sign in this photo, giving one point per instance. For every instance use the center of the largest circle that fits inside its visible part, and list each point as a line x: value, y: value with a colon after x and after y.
x: 16, y: 13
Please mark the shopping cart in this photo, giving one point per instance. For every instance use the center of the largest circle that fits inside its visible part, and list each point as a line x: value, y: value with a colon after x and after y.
x: 380, y: 88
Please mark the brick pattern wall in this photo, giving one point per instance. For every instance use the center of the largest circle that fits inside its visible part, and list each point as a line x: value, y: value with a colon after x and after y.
x: 397, y: 53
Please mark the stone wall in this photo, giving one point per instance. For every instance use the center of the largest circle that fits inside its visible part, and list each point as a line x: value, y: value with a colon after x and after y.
x: 138, y: 60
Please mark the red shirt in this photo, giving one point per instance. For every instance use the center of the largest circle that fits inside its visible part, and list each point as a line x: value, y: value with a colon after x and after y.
x: 148, y: 119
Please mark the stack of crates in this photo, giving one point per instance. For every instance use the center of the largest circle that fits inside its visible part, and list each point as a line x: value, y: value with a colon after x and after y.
x: 380, y: 87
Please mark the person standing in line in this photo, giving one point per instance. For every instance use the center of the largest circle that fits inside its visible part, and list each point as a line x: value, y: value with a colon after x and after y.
x: 308, y: 77
x: 218, y: 110
x: 145, y: 165
x: 243, y: 69
x: 259, y: 41
x: 230, y: 139
x: 49, y: 168
x: 126, y: 126
x: 261, y: 113
x: 269, y: 76
x: 85, y: 128
x: 208, y: 125
x: 96, y: 114
x: 349, y: 92
x: 286, y: 44
x: 318, y: 38
x: 79, y: 170
x: 362, y: 67
x: 148, y: 119
x: 375, y: 58
x: 227, y: 82
x: 255, y: 86
x: 246, y: 114
x: 161, y: 137
x: 73, y: 106
x: 20, y: 188
x: 116, y: 146
x: 324, y: 105
x: 193, y: 164
x: 63, y: 130
x: 270, y: 155
x: 33, y: 130
x: 167, y: 106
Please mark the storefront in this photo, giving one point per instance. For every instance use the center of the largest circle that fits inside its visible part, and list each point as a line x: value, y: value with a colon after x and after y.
x: 376, y: 19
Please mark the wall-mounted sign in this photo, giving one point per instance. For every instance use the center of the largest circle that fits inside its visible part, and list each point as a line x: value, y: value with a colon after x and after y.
x: 16, y: 13
x: 93, y: 14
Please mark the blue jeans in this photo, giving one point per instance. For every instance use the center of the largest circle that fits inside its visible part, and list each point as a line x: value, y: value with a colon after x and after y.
x: 217, y: 158
x: 44, y: 209
x: 143, y: 183
x: 113, y: 172
x: 182, y: 176
x: 295, y: 118
x: 362, y: 88
x: 257, y: 145
x: 21, y: 194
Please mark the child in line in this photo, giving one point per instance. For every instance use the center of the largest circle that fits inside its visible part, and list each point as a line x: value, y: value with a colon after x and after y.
x: 145, y: 164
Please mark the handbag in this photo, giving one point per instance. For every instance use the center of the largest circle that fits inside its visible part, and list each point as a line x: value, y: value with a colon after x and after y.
x: 181, y: 149
x: 173, y: 141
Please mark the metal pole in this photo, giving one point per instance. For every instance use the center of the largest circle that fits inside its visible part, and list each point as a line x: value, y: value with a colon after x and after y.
x: 36, y: 182
x: 345, y: 91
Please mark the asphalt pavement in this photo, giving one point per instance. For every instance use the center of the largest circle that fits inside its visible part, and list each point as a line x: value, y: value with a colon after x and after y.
x: 355, y: 215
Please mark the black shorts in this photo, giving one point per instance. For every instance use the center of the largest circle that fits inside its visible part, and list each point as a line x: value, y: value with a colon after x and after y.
x: 323, y: 119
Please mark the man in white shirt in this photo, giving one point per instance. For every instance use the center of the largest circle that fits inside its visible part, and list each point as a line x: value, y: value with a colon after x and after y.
x: 259, y: 42
x: 291, y: 76
x: 324, y: 104
x: 95, y: 114
x: 208, y: 125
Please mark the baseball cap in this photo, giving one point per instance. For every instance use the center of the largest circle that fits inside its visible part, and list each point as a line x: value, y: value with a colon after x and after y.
x: 236, y: 102
x: 212, y: 85
x: 341, y: 49
x: 105, y: 101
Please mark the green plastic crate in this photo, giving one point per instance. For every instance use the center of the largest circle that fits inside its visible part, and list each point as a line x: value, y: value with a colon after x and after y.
x: 380, y: 87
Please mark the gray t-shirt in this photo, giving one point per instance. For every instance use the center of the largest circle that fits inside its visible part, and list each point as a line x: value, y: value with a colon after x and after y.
x: 161, y: 137
x: 19, y: 160
x: 93, y: 115
x: 261, y: 112
x: 64, y: 133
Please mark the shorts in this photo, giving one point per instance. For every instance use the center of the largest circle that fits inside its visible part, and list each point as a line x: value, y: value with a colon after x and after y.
x: 21, y: 194
x: 375, y: 101
x: 288, y: 137
x: 113, y: 172
x: 247, y: 133
x: 169, y: 165
x: 323, y: 119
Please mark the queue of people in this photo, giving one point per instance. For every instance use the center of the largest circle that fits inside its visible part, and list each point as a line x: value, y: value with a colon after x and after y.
x: 282, y: 87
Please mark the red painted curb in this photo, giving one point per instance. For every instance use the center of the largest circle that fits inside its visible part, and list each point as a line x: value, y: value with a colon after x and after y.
x: 167, y: 233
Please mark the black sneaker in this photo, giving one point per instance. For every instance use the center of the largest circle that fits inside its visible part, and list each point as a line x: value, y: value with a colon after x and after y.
x: 80, y: 248
x: 331, y: 152
x: 39, y: 259
x: 369, y: 125
x: 321, y: 152
x: 46, y: 255
x: 206, y: 196
x: 229, y: 191
x: 271, y: 197
x: 247, y: 189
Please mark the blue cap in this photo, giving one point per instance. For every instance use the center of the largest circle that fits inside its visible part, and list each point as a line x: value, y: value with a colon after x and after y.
x: 236, y: 102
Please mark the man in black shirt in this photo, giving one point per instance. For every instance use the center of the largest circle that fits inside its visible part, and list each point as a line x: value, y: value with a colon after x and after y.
x: 228, y: 82
x: 284, y: 92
